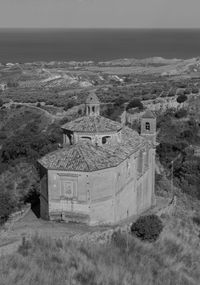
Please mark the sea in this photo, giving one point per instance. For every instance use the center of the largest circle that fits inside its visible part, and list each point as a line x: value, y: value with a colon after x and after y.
x: 31, y: 45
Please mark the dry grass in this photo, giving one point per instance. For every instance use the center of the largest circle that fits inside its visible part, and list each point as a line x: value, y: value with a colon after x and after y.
x: 173, y: 259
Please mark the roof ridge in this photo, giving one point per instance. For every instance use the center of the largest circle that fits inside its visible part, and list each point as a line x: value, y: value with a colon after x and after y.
x: 82, y: 154
x: 85, y: 158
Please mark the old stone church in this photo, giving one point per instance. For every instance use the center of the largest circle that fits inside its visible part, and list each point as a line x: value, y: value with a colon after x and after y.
x: 104, y: 173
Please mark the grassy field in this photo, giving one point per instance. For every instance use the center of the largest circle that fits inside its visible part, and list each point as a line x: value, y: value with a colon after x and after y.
x: 173, y: 259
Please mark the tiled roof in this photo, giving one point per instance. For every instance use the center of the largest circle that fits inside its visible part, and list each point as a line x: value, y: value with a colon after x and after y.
x: 92, y: 124
x: 92, y: 99
x: 148, y: 115
x: 88, y: 157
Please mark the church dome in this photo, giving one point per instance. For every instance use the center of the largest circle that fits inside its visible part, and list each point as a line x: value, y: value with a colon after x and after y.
x: 148, y: 115
x: 92, y: 124
x: 92, y: 99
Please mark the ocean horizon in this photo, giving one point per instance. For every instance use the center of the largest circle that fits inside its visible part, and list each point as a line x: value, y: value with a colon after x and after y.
x: 31, y: 45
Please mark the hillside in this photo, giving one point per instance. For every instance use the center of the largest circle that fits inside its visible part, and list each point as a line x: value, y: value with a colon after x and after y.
x: 173, y: 259
x: 48, y: 95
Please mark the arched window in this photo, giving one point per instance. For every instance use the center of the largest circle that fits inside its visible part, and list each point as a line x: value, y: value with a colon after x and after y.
x: 147, y: 126
x: 86, y: 138
x: 93, y: 109
x: 105, y: 139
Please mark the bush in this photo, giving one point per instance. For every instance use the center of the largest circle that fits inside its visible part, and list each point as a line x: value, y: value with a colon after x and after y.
x: 119, y: 240
x: 196, y: 220
x: 120, y: 101
x: 6, y: 204
x: 1, y: 102
x: 135, y: 103
x: 147, y: 228
x: 195, y: 90
x: 181, y: 98
x: 171, y: 93
x: 187, y: 91
x: 181, y: 113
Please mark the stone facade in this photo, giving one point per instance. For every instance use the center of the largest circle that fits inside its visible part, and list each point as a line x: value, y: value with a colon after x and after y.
x: 100, y: 181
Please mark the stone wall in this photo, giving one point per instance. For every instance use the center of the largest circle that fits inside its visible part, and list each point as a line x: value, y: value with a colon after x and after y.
x: 105, y: 196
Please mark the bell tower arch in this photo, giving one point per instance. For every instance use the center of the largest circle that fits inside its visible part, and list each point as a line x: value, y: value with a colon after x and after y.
x: 92, y: 105
x: 148, y: 126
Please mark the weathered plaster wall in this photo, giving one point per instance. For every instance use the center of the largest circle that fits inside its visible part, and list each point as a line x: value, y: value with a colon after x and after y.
x: 102, y: 212
x: 59, y: 201
x: 102, y: 188
x: 134, y: 190
x: 112, y: 137
x: 106, y: 196
x: 44, y: 205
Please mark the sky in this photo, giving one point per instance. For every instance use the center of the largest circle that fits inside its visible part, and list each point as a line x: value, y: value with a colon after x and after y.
x: 100, y: 13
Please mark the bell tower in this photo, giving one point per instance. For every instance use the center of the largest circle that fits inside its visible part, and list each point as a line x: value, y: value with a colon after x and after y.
x: 148, y: 126
x: 148, y: 131
x: 92, y: 105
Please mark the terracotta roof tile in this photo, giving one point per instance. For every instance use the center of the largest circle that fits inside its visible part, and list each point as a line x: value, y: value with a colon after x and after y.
x: 148, y: 115
x: 92, y: 99
x: 92, y: 124
x: 87, y: 157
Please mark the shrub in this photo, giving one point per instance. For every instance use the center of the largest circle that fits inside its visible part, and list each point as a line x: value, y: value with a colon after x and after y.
x: 181, y: 113
x: 195, y: 90
x: 196, y: 220
x: 187, y: 91
x: 147, y: 228
x: 181, y: 98
x: 120, y: 101
x: 1, y: 102
x: 119, y: 240
x: 171, y: 93
x: 135, y: 103
x: 6, y: 204
x: 25, y: 247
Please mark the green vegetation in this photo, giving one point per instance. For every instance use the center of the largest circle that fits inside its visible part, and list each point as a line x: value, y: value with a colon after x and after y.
x: 7, y: 204
x: 158, y: 251
x: 135, y: 103
x: 176, y: 138
x: 147, y: 228
x: 1, y: 102
x: 181, y: 98
x: 25, y: 136
x: 172, y: 259
x: 182, y: 113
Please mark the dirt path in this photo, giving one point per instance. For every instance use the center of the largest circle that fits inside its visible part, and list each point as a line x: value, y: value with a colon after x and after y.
x: 29, y: 225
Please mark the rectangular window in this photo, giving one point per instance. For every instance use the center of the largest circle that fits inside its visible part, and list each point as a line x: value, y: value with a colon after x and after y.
x: 147, y: 126
x: 68, y: 187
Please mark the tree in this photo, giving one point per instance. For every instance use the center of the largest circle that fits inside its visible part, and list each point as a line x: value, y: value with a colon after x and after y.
x: 120, y: 101
x: 135, y: 103
x: 181, y: 113
x: 6, y: 204
x: 181, y: 98
x: 187, y: 91
x: 1, y: 102
x: 195, y: 90
x: 171, y: 93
